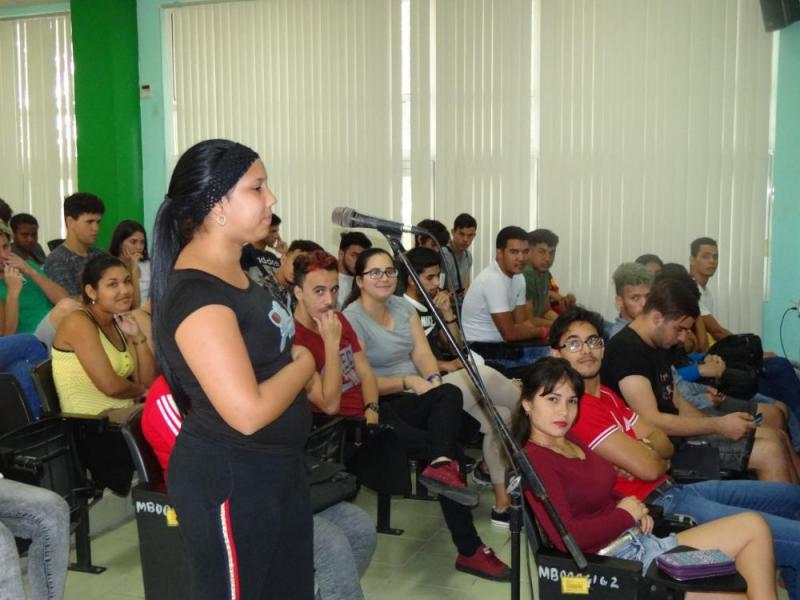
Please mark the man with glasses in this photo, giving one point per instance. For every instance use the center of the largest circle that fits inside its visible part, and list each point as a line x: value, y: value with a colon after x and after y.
x: 641, y: 452
x: 637, y: 367
x: 495, y: 310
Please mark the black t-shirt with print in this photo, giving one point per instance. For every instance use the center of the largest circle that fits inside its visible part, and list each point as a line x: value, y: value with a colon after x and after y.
x: 267, y: 330
x: 626, y: 354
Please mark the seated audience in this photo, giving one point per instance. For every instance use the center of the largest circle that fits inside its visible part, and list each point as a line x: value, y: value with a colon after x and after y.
x: 456, y: 257
x: 641, y: 452
x: 41, y: 516
x: 101, y: 365
x: 438, y: 239
x: 351, y: 244
x: 651, y: 262
x: 284, y: 277
x: 129, y: 244
x: 101, y: 360
x: 580, y: 484
x: 637, y: 367
x: 542, y: 244
x: 495, y: 309
x: 635, y: 282
x: 344, y: 537
x: 82, y: 215
x: 26, y: 294
x: 26, y: 238
x: 5, y: 211
x: 274, y: 242
x: 502, y: 391
x: 260, y: 259
x: 632, y: 282
x: 424, y: 411
x: 778, y: 378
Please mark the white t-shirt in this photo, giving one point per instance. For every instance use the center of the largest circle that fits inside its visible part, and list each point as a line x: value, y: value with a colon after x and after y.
x: 706, y: 301
x: 345, y: 285
x: 491, y: 292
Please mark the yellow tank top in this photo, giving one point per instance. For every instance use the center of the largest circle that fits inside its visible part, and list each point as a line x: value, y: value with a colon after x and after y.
x: 76, y: 391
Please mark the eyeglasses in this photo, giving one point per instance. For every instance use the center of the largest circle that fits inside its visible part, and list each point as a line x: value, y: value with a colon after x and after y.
x: 593, y: 342
x: 376, y: 274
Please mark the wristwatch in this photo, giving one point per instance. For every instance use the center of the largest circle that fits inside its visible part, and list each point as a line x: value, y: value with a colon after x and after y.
x: 373, y: 406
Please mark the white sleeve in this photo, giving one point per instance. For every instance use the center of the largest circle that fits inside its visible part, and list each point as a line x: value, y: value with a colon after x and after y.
x: 494, y: 290
x: 518, y: 290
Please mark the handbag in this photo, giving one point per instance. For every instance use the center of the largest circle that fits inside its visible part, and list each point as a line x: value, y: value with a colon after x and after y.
x: 740, y: 350
x: 696, y: 564
x: 328, y: 483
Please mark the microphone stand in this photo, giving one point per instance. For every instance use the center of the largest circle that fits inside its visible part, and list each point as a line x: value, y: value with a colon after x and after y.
x: 519, y: 460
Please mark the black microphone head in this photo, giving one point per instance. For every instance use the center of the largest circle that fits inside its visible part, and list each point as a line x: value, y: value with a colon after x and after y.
x: 342, y: 216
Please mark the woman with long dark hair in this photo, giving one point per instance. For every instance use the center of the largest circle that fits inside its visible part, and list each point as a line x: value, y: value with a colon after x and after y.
x: 580, y: 485
x: 236, y: 476
x: 129, y: 244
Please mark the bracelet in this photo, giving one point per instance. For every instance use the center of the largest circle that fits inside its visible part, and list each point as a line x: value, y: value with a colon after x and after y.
x: 451, y: 321
x: 373, y: 406
x: 139, y: 341
x: 430, y: 378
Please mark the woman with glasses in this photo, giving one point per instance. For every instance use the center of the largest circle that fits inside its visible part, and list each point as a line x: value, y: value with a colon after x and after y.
x: 424, y: 412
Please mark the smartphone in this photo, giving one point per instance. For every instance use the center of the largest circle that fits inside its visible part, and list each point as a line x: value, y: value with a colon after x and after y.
x: 758, y: 418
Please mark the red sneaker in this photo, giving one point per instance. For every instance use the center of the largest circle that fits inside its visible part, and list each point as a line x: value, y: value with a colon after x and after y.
x: 446, y: 479
x: 484, y: 564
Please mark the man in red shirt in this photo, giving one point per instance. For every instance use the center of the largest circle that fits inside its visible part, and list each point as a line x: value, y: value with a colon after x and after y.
x: 641, y: 452
x: 339, y: 355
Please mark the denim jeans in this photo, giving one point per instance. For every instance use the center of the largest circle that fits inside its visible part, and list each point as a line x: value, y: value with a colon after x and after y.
x: 344, y: 540
x: 18, y: 354
x: 43, y: 517
x: 644, y: 547
x: 530, y: 354
x: 778, y: 503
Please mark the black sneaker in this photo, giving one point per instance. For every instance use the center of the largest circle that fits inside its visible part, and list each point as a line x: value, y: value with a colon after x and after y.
x: 501, y: 518
x: 480, y: 478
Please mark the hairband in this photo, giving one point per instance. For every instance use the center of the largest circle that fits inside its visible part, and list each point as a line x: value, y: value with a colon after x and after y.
x: 230, y: 168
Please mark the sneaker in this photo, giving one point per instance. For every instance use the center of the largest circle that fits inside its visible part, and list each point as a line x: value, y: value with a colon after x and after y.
x: 480, y: 478
x: 501, y: 518
x: 484, y: 564
x: 446, y: 479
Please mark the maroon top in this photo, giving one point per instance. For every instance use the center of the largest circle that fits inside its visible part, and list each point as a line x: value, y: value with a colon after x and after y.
x: 582, y: 492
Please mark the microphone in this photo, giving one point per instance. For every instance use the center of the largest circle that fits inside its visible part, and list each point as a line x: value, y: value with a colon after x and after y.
x: 347, y: 217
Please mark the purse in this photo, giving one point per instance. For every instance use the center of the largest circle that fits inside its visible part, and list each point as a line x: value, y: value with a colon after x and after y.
x: 328, y: 483
x: 696, y: 564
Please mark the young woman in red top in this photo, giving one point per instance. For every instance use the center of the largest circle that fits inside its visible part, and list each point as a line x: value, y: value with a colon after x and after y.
x: 580, y: 484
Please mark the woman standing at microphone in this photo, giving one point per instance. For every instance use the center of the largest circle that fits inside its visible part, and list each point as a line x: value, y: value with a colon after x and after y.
x: 236, y: 475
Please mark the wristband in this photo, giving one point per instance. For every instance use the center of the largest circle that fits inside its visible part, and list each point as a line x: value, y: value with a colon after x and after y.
x: 373, y: 406
x: 430, y: 378
x: 451, y: 321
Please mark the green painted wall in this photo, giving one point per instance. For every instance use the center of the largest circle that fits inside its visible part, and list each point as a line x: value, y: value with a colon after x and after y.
x: 785, y: 250
x: 105, y: 48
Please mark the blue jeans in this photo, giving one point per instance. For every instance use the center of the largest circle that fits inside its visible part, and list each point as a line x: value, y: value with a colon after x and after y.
x: 18, y: 354
x: 644, y: 547
x: 530, y: 354
x: 41, y: 516
x: 344, y: 540
x: 778, y: 503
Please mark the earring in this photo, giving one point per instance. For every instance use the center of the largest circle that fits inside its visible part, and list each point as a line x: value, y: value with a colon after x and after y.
x: 93, y: 300
x: 221, y: 220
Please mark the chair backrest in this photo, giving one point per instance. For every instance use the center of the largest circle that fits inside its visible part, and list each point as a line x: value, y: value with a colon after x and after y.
x: 43, y: 380
x: 43, y: 453
x: 13, y: 408
x: 55, y: 243
x: 144, y: 459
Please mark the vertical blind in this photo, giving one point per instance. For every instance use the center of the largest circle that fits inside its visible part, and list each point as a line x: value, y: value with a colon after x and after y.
x: 654, y: 131
x: 37, y: 120
x: 312, y: 86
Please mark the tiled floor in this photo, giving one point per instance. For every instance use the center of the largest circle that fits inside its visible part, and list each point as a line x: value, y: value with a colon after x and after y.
x: 417, y: 564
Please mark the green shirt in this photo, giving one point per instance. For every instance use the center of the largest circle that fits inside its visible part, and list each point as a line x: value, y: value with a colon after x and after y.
x: 33, y: 303
x: 537, y: 290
